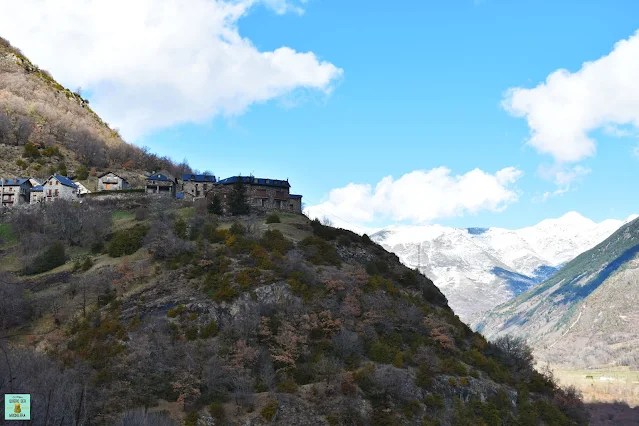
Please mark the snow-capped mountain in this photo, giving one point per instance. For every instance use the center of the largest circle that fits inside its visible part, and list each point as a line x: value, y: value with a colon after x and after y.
x: 480, y: 268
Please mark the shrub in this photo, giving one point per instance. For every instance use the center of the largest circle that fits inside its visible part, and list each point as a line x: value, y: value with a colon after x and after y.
x: 452, y: 366
x: 173, y: 313
x: 513, y: 352
x: 269, y: 410
x: 411, y: 408
x: 209, y: 330
x: 21, y: 163
x: 87, y: 264
x: 226, y: 293
x: 275, y: 241
x: 434, y: 401
x: 332, y: 420
x: 323, y: 231
x: 127, y: 241
x: 191, y: 419
x: 399, y: 360
x: 238, y: 204
x: 288, y: 386
x: 191, y: 333
x: 381, y: 352
x: 377, y: 282
x: 424, y: 377
x: 180, y: 227
x: 30, y: 151
x: 52, y: 257
x: 216, y: 410
x: 216, y: 205
x: 320, y: 252
x: 273, y: 218
x: 237, y: 229
x: 82, y: 173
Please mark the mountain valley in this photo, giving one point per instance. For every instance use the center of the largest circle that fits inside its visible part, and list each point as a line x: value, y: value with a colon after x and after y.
x: 480, y: 268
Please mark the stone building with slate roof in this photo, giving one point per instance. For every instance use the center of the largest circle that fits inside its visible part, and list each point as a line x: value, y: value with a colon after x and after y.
x: 59, y: 188
x: 15, y: 191
x: 162, y: 183
x: 262, y: 193
x: 36, y: 195
x: 110, y: 181
x: 194, y: 187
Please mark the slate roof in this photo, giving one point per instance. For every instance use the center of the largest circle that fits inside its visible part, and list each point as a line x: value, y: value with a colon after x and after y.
x: 38, y: 188
x: 65, y: 181
x: 198, y: 178
x: 15, y: 182
x: 255, y: 181
x: 160, y: 177
x: 114, y: 173
x: 295, y: 196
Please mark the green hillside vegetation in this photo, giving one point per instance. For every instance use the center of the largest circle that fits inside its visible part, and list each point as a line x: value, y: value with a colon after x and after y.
x: 160, y: 304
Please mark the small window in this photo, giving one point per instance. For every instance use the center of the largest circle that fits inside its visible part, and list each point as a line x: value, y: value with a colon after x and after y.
x: 56, y: 192
x: 57, y: 182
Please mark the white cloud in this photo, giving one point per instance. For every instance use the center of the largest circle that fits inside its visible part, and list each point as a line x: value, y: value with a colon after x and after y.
x: 635, y: 151
x: 420, y: 196
x: 564, y: 178
x: 567, y: 106
x: 151, y: 64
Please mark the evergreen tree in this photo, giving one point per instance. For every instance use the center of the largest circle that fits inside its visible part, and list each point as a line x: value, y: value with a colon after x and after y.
x: 237, y: 199
x: 216, y: 205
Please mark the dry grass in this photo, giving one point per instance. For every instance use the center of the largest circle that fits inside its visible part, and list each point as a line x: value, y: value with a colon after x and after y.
x: 294, y: 226
x: 610, y: 384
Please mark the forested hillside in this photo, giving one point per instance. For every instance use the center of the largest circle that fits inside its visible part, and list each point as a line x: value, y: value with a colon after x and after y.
x: 114, y: 307
x: 47, y: 128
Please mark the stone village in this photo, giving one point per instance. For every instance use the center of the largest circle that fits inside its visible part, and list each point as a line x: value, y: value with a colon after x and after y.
x: 262, y: 194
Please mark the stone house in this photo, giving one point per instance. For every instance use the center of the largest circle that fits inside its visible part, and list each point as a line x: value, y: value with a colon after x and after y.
x: 59, y: 188
x: 36, y: 194
x: 295, y: 203
x: 161, y: 183
x: 110, y: 181
x: 262, y: 194
x: 194, y: 187
x: 14, y: 192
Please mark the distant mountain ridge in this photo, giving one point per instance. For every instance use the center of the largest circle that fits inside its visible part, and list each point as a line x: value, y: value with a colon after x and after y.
x: 480, y: 268
x: 585, y: 315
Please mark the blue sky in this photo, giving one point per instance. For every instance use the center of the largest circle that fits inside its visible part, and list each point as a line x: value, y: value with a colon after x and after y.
x: 413, y: 86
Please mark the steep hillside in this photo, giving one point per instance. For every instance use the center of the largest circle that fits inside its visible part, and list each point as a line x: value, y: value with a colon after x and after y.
x: 46, y: 128
x: 478, y: 269
x: 585, y: 315
x: 114, y: 307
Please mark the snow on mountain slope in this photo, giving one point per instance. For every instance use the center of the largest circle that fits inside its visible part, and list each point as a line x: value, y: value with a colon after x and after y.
x: 480, y: 268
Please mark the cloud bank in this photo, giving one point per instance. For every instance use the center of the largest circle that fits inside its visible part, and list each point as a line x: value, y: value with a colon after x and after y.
x: 420, y: 196
x: 152, y: 64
